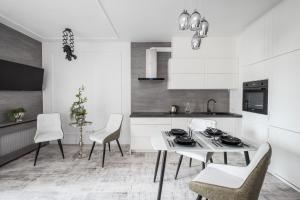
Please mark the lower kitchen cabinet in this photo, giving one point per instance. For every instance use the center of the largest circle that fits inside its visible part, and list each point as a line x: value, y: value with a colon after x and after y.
x: 142, y: 129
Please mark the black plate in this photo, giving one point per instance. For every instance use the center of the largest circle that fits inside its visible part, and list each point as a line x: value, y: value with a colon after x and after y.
x: 230, y: 140
x: 183, y: 140
x: 178, y: 132
x: 213, y: 132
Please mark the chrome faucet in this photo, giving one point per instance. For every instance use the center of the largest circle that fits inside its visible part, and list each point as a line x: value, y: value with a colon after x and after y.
x: 208, y: 102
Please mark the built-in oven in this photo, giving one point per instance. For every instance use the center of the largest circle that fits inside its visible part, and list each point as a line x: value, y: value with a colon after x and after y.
x: 255, y: 96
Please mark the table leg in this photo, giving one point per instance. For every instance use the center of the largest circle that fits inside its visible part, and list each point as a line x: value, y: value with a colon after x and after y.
x: 156, y: 165
x: 225, y: 158
x: 247, y: 158
x: 162, y: 174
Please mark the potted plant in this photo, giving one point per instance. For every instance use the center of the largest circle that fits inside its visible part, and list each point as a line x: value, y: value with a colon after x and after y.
x: 78, y: 112
x: 16, y: 114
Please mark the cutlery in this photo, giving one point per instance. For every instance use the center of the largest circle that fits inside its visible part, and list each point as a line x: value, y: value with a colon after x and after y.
x: 246, y: 145
x: 213, y: 142
x: 173, y: 143
x: 169, y: 143
x: 199, y: 144
x: 219, y: 143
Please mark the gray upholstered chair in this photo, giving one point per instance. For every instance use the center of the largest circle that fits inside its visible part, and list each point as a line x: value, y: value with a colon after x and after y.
x: 110, y: 133
x: 223, y: 182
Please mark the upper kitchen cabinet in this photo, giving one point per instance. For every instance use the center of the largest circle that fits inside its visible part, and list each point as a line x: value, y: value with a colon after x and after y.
x: 275, y: 33
x: 211, y: 47
x: 285, y: 27
x: 213, y: 66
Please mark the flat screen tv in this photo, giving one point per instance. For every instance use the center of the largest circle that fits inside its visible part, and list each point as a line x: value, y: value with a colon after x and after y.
x: 15, y: 76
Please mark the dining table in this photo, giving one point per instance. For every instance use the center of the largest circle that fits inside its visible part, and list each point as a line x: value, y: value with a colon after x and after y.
x: 203, y: 143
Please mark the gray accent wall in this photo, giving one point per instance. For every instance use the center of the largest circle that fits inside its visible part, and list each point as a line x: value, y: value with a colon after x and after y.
x: 153, y: 96
x: 17, y: 47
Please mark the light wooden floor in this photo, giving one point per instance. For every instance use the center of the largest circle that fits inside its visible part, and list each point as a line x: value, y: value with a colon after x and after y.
x: 127, y: 178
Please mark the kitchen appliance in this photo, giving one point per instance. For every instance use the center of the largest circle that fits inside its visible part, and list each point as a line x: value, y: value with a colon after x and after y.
x: 174, y: 109
x: 255, y: 97
x: 151, y: 63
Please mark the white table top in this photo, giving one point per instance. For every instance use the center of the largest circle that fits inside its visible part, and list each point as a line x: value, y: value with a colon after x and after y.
x: 205, y: 144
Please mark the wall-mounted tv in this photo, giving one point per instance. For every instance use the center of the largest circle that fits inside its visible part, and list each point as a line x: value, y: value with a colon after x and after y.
x: 15, y: 76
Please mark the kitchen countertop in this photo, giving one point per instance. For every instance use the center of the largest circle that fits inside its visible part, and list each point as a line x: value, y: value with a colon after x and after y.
x: 195, y: 114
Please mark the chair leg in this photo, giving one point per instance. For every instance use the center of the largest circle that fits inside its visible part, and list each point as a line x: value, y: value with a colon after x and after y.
x: 190, y: 162
x: 37, y: 153
x: 156, y: 165
x: 61, y: 148
x: 199, y: 197
x: 178, y: 166
x: 211, y: 160
x: 92, y: 150
x: 108, y: 146
x: 119, y: 147
x: 103, y: 157
x: 225, y: 158
x: 203, y: 165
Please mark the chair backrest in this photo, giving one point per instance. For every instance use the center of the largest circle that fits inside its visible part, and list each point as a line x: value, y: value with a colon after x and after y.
x: 114, y: 122
x: 201, y: 124
x: 48, y: 122
x: 255, y: 173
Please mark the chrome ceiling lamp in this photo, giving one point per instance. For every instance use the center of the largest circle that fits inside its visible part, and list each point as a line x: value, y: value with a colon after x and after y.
x: 183, y: 20
x: 194, y: 22
x: 196, y: 41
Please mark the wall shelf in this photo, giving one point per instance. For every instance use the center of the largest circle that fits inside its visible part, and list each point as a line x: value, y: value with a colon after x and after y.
x: 151, y: 79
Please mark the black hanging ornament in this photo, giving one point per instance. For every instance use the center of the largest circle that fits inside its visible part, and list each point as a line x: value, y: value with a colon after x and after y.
x: 68, y: 44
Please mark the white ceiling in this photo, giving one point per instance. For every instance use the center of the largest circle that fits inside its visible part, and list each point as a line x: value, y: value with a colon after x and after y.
x: 133, y: 20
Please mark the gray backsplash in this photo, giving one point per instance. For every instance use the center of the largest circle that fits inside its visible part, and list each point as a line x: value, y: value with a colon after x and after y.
x: 153, y: 96
x: 17, y: 47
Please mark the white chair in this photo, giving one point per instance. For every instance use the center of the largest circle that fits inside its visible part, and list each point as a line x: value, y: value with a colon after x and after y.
x: 197, y: 125
x: 219, y: 181
x: 48, y: 129
x: 158, y: 145
x: 110, y: 133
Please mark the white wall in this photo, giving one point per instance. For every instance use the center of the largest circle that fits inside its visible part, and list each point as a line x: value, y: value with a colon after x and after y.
x: 103, y: 68
x: 270, y: 49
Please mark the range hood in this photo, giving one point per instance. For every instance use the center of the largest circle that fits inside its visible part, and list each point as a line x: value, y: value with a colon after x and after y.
x: 151, y: 62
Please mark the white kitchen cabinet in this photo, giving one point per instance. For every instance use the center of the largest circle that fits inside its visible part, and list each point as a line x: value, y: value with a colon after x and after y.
x: 221, y: 66
x: 211, y: 47
x: 205, y: 73
x: 186, y: 66
x: 273, y: 34
x: 285, y: 161
x: 221, y: 81
x: 186, y: 81
x: 142, y: 129
x: 284, y: 27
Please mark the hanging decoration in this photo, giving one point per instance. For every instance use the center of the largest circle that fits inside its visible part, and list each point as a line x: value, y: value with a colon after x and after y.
x: 68, y: 44
x: 194, y: 22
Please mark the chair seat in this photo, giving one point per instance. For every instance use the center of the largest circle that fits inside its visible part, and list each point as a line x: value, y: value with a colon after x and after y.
x: 217, y: 177
x: 48, y: 136
x: 99, y: 136
x: 201, y: 156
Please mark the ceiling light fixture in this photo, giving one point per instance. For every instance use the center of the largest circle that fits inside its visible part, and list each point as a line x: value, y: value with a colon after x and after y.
x: 194, y: 22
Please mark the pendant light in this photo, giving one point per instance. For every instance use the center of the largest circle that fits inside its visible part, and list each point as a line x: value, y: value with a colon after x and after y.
x: 196, y: 41
x: 204, y: 27
x: 183, y: 20
x: 195, y: 21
